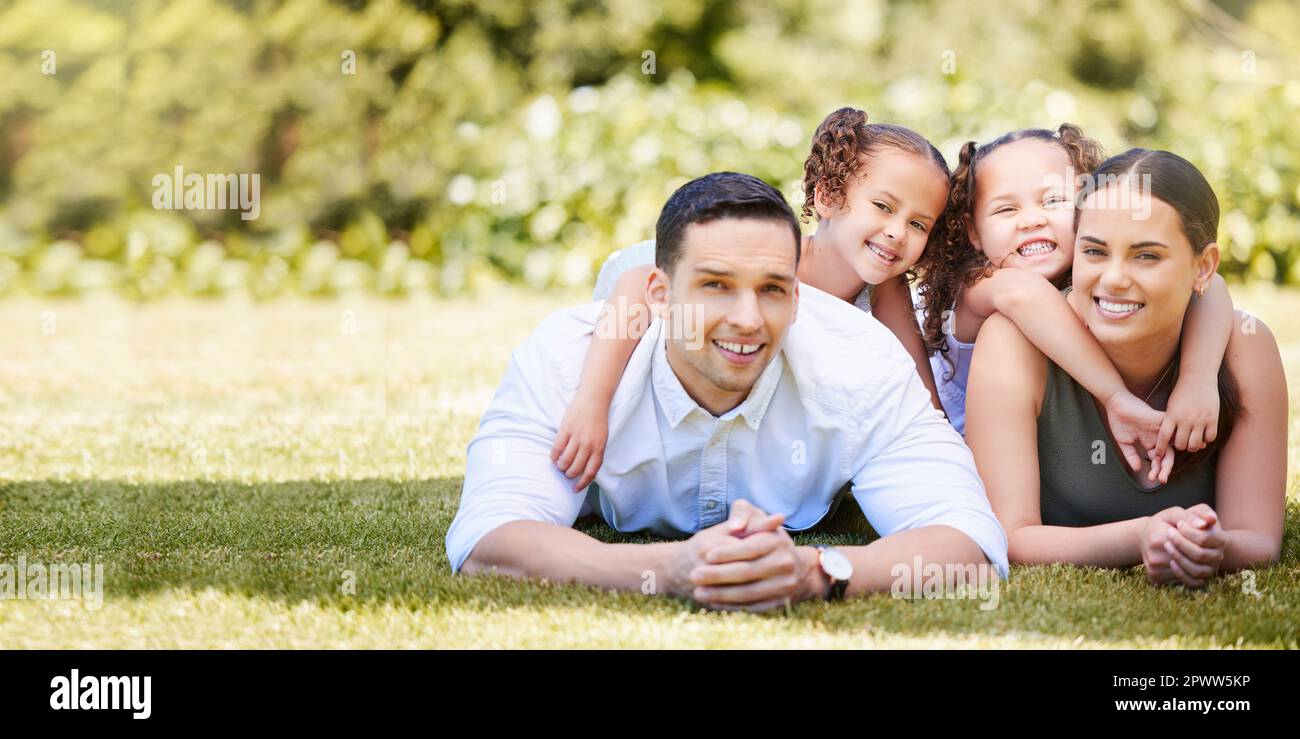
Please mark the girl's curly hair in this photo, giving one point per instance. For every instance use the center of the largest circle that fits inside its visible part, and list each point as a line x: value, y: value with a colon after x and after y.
x: 956, y: 263
x: 843, y: 145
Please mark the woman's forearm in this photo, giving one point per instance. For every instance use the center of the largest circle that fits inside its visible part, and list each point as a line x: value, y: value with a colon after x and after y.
x: 1248, y: 548
x: 1116, y: 544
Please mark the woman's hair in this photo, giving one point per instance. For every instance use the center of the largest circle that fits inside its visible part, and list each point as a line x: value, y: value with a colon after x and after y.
x: 1178, y: 183
x: 957, y: 263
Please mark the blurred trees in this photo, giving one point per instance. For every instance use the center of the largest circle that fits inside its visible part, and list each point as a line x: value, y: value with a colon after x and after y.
x: 501, y: 139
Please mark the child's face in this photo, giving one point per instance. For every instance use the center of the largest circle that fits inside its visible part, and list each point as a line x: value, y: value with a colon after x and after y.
x: 1024, y: 208
x: 887, y: 215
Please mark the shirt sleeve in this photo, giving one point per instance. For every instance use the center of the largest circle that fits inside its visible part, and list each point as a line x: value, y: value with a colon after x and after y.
x: 509, y: 475
x: 914, y: 470
x: 636, y: 255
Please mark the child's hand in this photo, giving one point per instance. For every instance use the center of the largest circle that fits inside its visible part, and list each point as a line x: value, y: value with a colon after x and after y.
x: 1192, y: 417
x: 1133, y: 422
x: 1161, y: 465
x: 579, y: 445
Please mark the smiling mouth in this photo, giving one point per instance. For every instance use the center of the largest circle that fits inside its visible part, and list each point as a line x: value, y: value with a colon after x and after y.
x: 1036, y: 248
x: 885, y: 255
x: 738, y: 353
x: 1116, y: 308
x: 735, y: 348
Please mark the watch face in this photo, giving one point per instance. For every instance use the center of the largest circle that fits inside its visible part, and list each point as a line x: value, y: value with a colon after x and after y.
x: 836, y: 564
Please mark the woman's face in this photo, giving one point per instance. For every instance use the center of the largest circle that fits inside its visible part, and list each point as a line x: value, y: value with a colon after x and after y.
x: 1023, y: 215
x: 1134, y: 269
x: 887, y: 215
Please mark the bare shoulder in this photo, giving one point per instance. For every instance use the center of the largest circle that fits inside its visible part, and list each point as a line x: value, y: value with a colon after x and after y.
x: 1000, y: 336
x: 1255, y: 361
x: 1006, y: 364
x: 1251, y: 335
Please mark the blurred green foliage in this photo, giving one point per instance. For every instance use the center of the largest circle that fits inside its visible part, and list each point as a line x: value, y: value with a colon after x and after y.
x: 496, y: 139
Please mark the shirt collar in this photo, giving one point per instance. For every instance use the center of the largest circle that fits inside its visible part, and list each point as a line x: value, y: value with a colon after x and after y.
x: 676, y: 404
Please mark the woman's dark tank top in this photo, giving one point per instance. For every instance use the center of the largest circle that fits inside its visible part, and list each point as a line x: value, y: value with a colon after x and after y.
x: 1083, y: 477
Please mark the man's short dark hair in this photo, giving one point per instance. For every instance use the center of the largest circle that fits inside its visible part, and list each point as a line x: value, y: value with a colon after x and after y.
x: 714, y: 196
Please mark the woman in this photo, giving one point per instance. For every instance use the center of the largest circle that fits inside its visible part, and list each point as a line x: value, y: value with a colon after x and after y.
x: 1144, y: 243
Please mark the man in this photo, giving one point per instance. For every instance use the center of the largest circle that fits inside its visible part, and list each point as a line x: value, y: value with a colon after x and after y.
x: 732, y: 437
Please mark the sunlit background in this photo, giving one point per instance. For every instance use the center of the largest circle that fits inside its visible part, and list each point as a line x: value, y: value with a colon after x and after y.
x: 233, y: 414
x: 409, y: 147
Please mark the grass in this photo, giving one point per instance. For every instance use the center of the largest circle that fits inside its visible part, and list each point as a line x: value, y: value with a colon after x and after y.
x: 283, y: 476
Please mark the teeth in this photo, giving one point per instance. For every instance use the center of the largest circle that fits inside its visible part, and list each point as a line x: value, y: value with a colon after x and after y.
x: 738, y: 348
x: 881, y: 252
x: 1110, y: 307
x: 1036, y: 247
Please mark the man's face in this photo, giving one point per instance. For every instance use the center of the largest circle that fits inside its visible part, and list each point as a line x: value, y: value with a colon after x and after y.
x: 734, y: 281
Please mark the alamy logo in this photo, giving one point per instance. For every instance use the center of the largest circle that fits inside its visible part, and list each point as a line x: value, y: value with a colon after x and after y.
x: 946, y: 581
x: 25, y: 580
x: 193, y: 191
x: 101, y: 693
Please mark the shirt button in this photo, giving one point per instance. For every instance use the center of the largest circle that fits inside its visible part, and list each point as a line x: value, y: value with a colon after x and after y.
x: 711, y: 504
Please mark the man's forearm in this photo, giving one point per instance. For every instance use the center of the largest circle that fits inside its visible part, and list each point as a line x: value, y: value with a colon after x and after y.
x: 541, y: 550
x: 874, y: 564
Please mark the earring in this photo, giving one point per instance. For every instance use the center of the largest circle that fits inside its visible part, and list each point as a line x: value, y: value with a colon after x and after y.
x: 1200, y: 291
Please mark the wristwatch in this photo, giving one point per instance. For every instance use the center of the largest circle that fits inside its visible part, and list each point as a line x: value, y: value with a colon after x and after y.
x: 838, y: 568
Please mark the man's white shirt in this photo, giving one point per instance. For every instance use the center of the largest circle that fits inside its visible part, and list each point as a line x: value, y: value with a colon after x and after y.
x: 840, y: 403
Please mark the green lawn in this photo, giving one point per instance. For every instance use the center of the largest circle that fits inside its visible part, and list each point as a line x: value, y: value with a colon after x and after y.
x: 283, y: 476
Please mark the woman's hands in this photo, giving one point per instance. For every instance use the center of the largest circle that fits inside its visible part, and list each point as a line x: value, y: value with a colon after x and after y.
x: 1183, y: 546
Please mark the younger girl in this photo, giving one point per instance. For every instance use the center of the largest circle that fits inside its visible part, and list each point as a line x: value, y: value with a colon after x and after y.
x: 1011, y: 206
